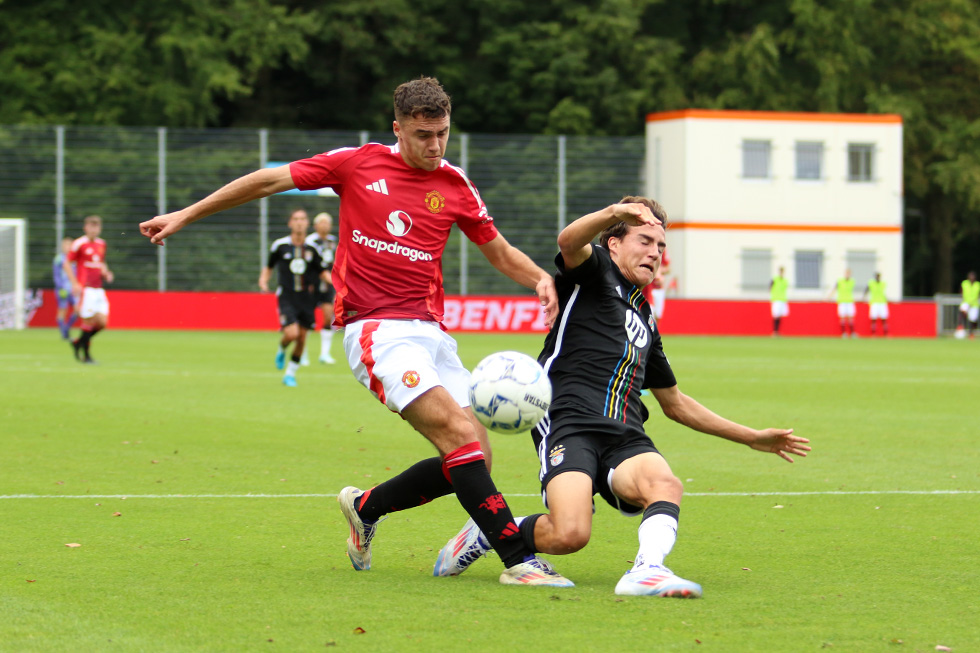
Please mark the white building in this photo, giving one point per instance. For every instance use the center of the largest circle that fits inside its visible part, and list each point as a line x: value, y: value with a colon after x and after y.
x: 748, y: 192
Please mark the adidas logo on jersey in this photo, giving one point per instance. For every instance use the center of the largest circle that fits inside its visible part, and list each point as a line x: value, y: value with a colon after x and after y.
x: 378, y: 187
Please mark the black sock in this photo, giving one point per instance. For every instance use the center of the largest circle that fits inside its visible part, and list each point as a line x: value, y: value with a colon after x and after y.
x: 86, y: 337
x: 488, y: 508
x: 662, y: 508
x: 527, y: 531
x: 419, y: 484
x: 296, y: 357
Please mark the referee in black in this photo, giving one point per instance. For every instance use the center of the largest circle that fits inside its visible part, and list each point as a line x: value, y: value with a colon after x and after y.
x: 602, y: 350
x: 300, y: 269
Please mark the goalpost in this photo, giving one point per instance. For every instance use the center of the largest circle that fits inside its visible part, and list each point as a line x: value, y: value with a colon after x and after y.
x: 13, y: 273
x: 947, y: 313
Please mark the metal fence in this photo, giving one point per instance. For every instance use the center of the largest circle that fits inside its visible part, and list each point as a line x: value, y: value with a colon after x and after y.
x: 55, y: 176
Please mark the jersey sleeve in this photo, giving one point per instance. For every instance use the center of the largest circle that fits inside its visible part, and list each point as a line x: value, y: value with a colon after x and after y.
x: 589, y: 270
x: 322, y: 170
x: 73, y: 250
x: 474, y: 220
x: 658, y: 373
x: 273, y: 256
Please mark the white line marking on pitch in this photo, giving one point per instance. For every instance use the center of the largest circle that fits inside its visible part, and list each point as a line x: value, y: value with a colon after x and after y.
x: 510, y: 494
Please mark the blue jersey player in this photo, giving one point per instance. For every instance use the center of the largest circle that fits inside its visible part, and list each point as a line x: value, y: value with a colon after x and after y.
x: 67, y: 316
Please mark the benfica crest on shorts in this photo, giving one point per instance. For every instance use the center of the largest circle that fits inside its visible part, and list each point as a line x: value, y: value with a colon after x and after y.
x: 434, y: 201
x: 557, y: 455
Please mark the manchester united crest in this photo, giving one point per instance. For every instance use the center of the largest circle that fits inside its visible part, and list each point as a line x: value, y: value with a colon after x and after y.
x: 434, y: 201
x: 410, y: 379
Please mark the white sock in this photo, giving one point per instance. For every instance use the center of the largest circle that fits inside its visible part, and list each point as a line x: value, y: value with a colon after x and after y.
x: 291, y: 368
x: 657, y: 536
x: 326, y: 338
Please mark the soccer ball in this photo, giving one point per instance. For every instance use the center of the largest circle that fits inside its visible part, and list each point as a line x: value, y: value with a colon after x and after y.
x: 509, y: 392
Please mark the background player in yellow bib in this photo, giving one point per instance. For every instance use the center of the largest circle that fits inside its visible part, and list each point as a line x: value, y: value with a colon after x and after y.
x: 970, y: 308
x: 877, y: 304
x: 845, y: 303
x: 777, y: 296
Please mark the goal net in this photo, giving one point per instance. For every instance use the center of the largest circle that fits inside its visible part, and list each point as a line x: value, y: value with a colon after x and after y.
x: 947, y: 314
x: 13, y: 273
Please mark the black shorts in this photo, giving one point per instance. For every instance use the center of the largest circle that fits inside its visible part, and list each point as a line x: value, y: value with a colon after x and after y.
x: 572, y: 449
x: 297, y: 311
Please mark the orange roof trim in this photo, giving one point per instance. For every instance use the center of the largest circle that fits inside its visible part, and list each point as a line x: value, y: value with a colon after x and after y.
x: 786, y: 116
x: 744, y: 226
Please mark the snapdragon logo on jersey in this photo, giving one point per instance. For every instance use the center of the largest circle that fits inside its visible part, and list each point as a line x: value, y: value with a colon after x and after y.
x: 398, y: 224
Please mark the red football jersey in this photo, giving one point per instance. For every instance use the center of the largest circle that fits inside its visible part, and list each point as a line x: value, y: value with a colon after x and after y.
x: 89, y: 259
x: 395, y: 221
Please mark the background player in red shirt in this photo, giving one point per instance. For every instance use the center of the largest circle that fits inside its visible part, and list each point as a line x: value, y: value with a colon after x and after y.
x: 397, y: 206
x: 656, y: 291
x: 88, y: 256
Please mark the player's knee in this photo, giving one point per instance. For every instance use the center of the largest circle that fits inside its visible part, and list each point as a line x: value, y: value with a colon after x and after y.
x: 570, y: 538
x: 665, y: 488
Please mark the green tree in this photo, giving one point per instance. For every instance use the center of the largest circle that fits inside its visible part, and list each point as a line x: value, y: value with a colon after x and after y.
x: 141, y: 62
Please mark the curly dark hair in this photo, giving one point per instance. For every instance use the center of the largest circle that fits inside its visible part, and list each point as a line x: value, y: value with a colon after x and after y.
x: 423, y: 97
x: 620, y: 229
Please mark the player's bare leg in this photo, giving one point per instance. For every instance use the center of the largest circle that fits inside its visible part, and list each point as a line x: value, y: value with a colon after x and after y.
x: 295, y: 335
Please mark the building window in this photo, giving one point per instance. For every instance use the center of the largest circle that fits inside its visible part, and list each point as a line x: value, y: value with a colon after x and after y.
x: 860, y: 162
x: 809, y: 160
x: 755, y: 159
x: 756, y: 269
x: 862, y: 265
x: 809, y: 268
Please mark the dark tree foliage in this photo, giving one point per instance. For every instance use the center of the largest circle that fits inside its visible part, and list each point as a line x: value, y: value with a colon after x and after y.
x: 575, y: 67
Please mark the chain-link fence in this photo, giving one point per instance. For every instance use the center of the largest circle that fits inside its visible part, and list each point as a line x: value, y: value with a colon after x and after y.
x: 55, y: 176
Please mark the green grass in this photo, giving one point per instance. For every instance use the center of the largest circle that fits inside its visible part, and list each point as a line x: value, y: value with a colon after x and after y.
x: 870, y: 544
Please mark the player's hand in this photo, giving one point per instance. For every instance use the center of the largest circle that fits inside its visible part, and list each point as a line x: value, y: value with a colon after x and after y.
x: 263, y: 285
x: 635, y: 214
x: 161, y: 227
x: 781, y: 442
x: 548, y: 296
x: 76, y: 289
x: 109, y: 276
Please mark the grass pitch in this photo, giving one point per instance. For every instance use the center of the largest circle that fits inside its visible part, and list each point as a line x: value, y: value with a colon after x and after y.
x: 202, y: 494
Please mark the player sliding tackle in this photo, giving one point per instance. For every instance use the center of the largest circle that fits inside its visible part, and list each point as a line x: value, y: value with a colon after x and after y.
x: 397, y: 207
x: 603, y: 349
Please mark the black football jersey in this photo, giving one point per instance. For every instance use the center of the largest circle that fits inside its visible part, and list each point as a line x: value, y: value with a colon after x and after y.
x: 603, y: 349
x: 297, y: 266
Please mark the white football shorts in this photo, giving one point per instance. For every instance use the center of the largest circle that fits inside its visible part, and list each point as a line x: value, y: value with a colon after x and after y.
x: 972, y: 312
x: 93, y: 302
x: 399, y: 360
x: 780, y: 309
x: 878, y: 311
x: 845, y: 309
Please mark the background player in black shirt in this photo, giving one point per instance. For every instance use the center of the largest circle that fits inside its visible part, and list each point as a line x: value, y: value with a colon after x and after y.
x: 603, y: 349
x: 300, y: 270
x: 326, y: 243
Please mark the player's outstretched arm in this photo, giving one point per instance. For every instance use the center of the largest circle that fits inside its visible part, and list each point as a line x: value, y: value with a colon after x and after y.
x: 689, y: 412
x: 252, y: 186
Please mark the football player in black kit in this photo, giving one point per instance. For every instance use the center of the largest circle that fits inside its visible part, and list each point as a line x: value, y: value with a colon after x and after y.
x: 300, y: 270
x: 603, y: 349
